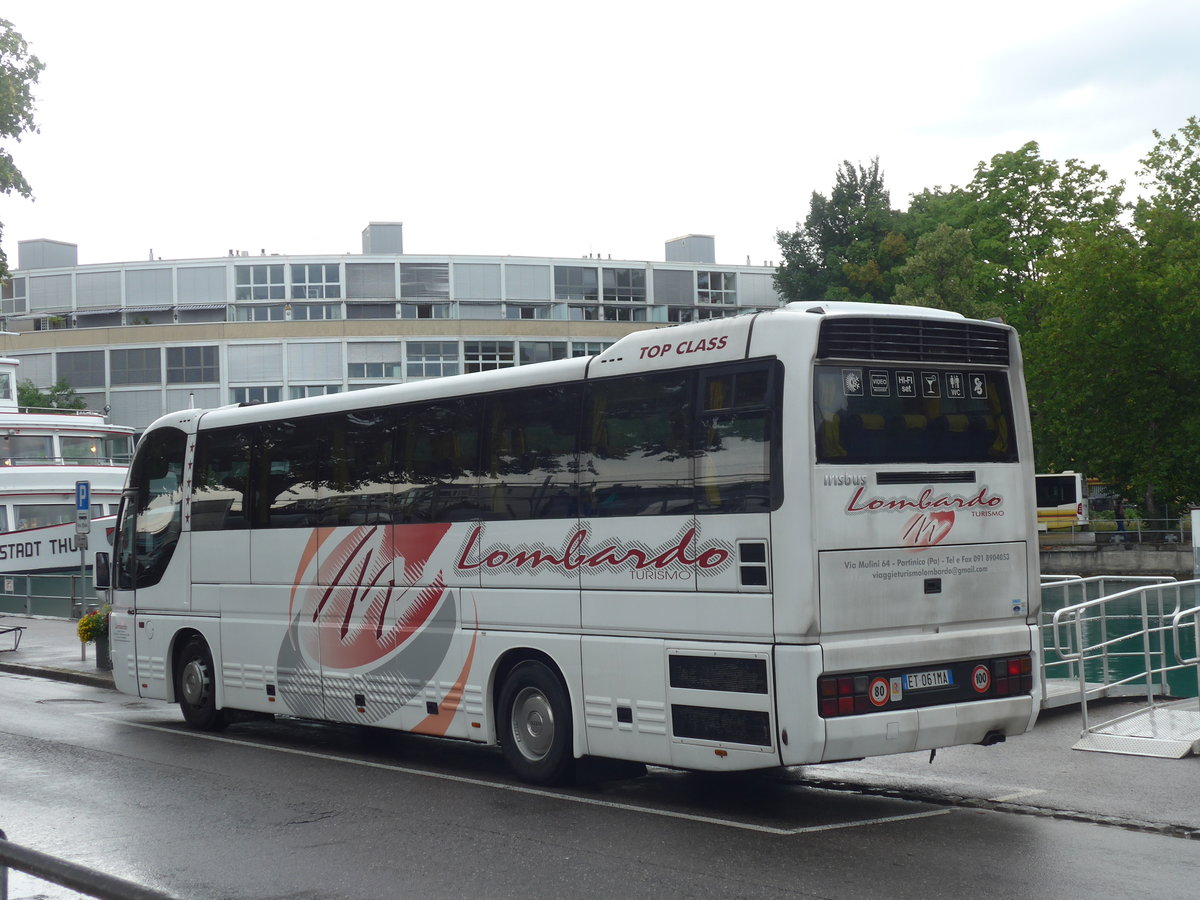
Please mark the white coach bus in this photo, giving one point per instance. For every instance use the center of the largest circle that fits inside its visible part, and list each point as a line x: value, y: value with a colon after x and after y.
x: 793, y: 537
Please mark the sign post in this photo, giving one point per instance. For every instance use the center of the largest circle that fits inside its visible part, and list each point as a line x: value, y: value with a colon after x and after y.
x: 83, y: 525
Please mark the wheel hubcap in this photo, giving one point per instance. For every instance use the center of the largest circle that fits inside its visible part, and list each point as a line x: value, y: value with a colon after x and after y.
x: 532, y: 723
x: 194, y: 682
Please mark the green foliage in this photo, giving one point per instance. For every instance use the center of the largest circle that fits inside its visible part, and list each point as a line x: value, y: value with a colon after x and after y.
x: 1112, y: 372
x: 60, y: 397
x: 18, y: 73
x: 945, y: 272
x: 848, y: 244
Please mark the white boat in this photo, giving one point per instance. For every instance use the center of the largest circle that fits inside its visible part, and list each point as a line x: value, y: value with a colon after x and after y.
x: 43, y: 454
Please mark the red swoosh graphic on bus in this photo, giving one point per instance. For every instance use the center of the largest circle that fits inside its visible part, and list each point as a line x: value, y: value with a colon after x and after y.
x: 355, y: 591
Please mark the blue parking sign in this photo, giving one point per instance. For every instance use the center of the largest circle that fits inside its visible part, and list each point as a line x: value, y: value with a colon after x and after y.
x: 83, y: 496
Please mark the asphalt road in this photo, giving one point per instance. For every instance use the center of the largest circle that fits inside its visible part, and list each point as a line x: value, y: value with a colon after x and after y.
x: 290, y: 809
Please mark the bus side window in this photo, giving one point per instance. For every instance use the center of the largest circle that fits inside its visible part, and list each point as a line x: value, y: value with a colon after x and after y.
x: 734, y: 458
x: 287, y: 464
x: 357, y: 468
x: 221, y: 480
x: 530, y: 454
x: 639, y: 458
x: 438, y: 461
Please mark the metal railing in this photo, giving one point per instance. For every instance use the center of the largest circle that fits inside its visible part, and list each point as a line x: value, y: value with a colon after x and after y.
x: 1124, y: 639
x: 1102, y: 664
x: 64, y: 596
x: 1134, y: 531
x: 66, y: 874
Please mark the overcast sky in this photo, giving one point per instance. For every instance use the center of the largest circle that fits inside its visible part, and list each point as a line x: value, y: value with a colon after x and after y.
x: 556, y: 128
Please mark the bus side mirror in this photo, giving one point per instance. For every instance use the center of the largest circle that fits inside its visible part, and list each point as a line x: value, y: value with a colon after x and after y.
x: 100, y: 572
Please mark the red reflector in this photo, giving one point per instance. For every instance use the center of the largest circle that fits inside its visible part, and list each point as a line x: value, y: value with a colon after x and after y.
x: 829, y: 708
x: 1002, y: 686
x: 845, y: 706
x: 845, y: 686
x: 860, y: 704
x: 1026, y: 684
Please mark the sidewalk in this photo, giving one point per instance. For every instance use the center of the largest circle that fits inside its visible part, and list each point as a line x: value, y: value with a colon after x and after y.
x: 1036, y: 774
x: 50, y: 648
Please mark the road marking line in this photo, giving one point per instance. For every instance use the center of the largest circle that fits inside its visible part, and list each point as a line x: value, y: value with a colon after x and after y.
x: 1008, y: 798
x: 536, y: 792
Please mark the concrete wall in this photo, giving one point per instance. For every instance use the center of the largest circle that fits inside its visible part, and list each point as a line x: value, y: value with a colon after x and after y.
x: 1119, y: 559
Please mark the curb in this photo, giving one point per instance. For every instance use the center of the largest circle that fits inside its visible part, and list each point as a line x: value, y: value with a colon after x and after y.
x: 72, y: 675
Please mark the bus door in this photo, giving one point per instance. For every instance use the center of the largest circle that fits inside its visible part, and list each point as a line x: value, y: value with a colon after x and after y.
x: 148, y: 575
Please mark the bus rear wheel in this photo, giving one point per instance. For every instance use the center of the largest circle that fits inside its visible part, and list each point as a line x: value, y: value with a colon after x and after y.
x: 535, y: 724
x: 194, y: 687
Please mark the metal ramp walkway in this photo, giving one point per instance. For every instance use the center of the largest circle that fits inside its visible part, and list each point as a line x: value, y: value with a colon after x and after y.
x: 1166, y: 730
x: 1133, y: 642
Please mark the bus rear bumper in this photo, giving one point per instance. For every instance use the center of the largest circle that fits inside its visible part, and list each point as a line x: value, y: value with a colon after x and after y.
x: 926, y: 728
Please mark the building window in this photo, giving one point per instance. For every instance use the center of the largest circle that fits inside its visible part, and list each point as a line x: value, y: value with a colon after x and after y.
x: 425, y: 280
x: 526, y: 311
x: 542, y: 351
x: 432, y: 359
x: 424, y: 310
x: 316, y: 281
x: 716, y: 287
x: 681, y: 313
x: 370, y: 310
x: 135, y: 366
x: 617, y: 314
x: 14, y: 298
x: 261, y: 394
x: 715, y: 313
x: 188, y: 365
x: 625, y: 285
x: 309, y: 312
x: 272, y: 313
x: 481, y: 356
x: 373, y: 370
x: 585, y: 313
x: 588, y: 348
x: 300, y: 391
x: 259, y: 282
x: 575, y: 283
x: 83, y: 369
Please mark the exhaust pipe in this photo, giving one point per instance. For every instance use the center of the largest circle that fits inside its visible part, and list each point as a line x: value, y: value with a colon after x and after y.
x: 992, y: 737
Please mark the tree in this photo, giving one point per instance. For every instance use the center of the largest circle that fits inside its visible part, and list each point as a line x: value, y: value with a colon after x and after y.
x: 848, y: 243
x: 60, y: 396
x: 944, y: 272
x: 19, y: 71
x: 1112, y: 371
x: 1017, y: 209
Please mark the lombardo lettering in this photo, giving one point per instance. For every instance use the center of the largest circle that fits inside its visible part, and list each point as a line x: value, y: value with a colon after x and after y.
x: 577, y: 554
x: 926, y: 501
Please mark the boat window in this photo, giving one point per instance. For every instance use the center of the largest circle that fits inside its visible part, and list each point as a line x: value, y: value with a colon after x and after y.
x: 25, y: 449
x: 80, y: 449
x: 39, y: 515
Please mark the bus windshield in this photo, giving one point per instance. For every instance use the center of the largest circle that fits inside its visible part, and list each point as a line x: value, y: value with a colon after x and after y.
x: 888, y: 413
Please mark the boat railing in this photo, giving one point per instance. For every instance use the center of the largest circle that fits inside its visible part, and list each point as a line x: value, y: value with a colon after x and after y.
x: 58, y: 411
x: 64, y: 460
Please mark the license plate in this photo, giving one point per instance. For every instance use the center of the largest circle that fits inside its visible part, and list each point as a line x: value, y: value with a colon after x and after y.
x: 916, y: 681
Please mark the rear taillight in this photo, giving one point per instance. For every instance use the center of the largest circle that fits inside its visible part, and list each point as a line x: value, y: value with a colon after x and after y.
x: 1012, y: 676
x: 842, y: 695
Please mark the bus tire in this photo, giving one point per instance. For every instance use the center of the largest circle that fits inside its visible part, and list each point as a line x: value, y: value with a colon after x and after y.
x: 535, y: 724
x: 194, y: 687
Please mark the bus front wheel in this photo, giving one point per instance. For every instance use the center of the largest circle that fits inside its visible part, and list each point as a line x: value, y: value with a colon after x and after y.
x: 194, y: 687
x: 535, y: 724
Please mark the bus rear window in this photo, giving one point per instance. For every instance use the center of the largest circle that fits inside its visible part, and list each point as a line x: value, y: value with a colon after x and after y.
x: 885, y: 414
